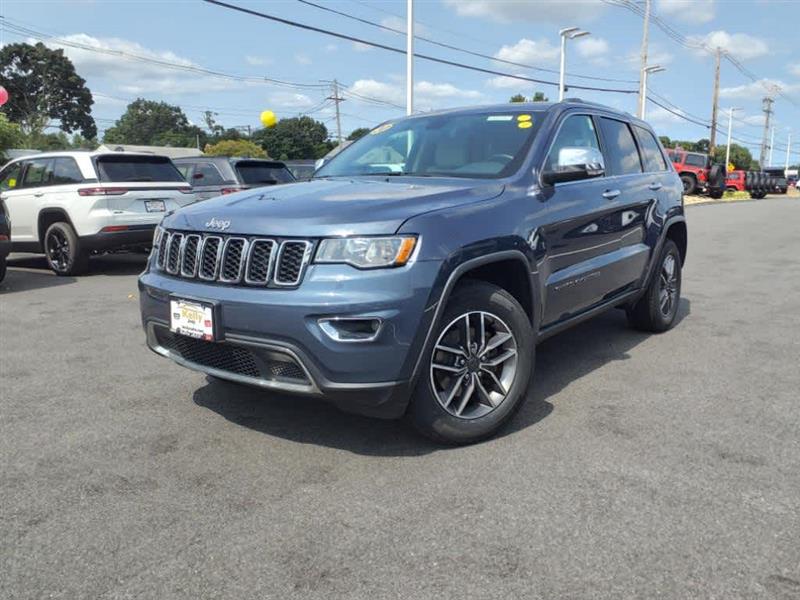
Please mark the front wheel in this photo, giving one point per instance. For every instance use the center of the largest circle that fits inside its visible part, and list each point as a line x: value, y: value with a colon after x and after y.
x: 689, y: 184
x: 657, y: 309
x: 476, y: 374
x: 63, y: 251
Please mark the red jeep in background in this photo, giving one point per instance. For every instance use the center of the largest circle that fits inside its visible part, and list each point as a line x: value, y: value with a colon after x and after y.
x: 693, y: 168
x: 735, y: 181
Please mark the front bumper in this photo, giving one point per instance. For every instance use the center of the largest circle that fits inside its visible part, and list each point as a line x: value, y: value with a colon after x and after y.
x: 271, y: 338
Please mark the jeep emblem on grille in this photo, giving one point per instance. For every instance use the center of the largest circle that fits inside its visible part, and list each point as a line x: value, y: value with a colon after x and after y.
x: 215, y: 223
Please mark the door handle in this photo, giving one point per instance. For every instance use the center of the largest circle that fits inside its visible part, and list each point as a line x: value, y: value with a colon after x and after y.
x: 38, y: 194
x: 611, y: 194
x: 655, y: 186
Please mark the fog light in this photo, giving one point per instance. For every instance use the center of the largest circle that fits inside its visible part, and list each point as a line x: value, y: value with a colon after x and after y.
x: 351, y: 329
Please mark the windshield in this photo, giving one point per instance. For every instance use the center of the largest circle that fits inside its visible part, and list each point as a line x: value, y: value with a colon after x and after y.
x: 255, y: 173
x: 484, y: 145
x: 121, y: 168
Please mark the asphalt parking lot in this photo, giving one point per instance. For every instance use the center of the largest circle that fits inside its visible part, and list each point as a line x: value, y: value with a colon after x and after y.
x: 642, y: 467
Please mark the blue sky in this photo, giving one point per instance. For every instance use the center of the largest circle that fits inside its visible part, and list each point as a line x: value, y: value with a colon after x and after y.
x: 761, y: 34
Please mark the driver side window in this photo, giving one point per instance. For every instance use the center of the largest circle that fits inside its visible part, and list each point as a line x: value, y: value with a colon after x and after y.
x: 576, y: 140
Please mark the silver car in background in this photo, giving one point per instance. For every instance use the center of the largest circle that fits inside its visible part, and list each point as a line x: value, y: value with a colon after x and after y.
x: 212, y: 176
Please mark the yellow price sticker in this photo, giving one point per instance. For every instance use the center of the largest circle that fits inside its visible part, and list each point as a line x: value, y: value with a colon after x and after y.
x: 523, y: 117
x: 524, y: 124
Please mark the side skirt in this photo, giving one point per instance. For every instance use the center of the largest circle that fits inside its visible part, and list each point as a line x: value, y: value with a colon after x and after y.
x: 555, y: 328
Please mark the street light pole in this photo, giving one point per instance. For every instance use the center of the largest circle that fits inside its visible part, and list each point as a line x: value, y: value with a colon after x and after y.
x: 645, y: 72
x: 730, y: 130
x: 788, y: 151
x: 409, y: 57
x: 571, y: 33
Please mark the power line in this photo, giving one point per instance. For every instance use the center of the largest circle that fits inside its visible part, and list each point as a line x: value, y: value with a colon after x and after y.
x: 455, y: 48
x: 427, y: 57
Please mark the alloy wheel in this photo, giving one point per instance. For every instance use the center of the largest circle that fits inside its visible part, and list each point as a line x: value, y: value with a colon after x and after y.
x: 668, y: 289
x: 58, y: 250
x: 473, y: 364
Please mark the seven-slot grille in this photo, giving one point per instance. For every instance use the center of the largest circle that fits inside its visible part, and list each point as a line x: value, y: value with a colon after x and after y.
x: 233, y: 259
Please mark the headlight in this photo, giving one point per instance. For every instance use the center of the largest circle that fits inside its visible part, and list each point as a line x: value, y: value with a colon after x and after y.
x: 367, y: 252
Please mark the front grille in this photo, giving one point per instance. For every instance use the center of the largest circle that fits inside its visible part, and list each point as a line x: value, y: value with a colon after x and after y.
x: 257, y: 363
x: 234, y: 260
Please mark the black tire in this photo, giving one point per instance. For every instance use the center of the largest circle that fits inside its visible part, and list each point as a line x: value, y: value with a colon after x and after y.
x: 716, y: 194
x: 63, y: 252
x: 428, y: 414
x: 648, y: 314
x: 689, y: 184
x: 2, y: 268
x: 716, y: 180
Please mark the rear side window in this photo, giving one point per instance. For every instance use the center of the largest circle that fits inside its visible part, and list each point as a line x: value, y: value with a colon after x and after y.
x: 118, y: 169
x: 260, y: 173
x: 207, y: 174
x: 66, y: 171
x: 696, y: 160
x: 622, y: 156
x: 651, y: 153
x: 39, y: 173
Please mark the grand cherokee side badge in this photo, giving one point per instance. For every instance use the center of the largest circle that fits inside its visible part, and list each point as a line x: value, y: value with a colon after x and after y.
x: 215, y: 223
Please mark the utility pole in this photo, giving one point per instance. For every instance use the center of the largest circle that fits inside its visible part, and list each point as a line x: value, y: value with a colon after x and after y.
x: 336, y: 100
x: 715, y: 103
x: 642, y: 72
x: 566, y: 33
x: 771, y: 145
x: 730, y: 131
x: 410, y: 57
x: 767, y: 107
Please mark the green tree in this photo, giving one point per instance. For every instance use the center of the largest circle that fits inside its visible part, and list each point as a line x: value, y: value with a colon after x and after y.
x: 150, y: 123
x: 42, y: 85
x: 537, y: 97
x: 358, y: 133
x: 740, y: 156
x: 295, y: 138
x: 11, y: 136
x: 244, y: 148
x: 518, y: 98
x: 665, y: 141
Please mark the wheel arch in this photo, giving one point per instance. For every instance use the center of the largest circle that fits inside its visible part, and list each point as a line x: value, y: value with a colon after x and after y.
x: 678, y: 233
x: 48, y: 216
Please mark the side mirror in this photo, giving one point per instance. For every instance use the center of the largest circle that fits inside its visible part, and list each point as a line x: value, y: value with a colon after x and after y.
x: 574, y: 164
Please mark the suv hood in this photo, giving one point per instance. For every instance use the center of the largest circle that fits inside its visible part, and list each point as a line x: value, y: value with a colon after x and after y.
x: 330, y: 207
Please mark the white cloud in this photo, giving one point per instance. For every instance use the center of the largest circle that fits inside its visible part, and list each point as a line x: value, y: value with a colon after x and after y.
x: 331, y: 48
x: 427, y: 95
x: 504, y: 83
x: 257, y: 61
x: 795, y: 69
x: 101, y: 59
x: 302, y: 59
x: 661, y: 116
x: 289, y: 100
x: 399, y: 23
x: 529, y: 52
x: 359, y: 47
x: 655, y: 56
x: 738, y: 45
x: 691, y: 11
x: 592, y: 47
x: 514, y: 11
x: 758, y: 89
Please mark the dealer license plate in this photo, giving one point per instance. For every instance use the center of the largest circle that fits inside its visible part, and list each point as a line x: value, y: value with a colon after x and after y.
x: 193, y: 319
x: 155, y: 205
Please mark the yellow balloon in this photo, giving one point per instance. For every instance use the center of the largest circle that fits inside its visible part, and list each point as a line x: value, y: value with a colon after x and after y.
x: 268, y: 118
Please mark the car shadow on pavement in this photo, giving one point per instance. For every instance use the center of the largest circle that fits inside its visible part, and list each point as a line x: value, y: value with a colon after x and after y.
x: 31, y: 272
x: 560, y: 360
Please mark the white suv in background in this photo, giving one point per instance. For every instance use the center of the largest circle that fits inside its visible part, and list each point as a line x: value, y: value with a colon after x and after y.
x: 69, y: 205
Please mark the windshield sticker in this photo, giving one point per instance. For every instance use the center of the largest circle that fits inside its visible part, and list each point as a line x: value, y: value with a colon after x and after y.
x: 381, y: 129
x: 524, y: 124
x: 523, y: 117
x: 499, y: 117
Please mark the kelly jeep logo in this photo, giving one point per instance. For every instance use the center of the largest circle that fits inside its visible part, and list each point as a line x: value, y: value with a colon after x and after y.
x: 216, y: 223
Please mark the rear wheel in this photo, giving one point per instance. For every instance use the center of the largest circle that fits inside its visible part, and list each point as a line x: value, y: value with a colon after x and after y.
x: 2, y: 268
x: 63, y: 251
x: 477, y: 372
x: 689, y: 184
x: 656, y: 310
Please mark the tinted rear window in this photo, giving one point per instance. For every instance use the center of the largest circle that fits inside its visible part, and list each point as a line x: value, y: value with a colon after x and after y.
x: 255, y: 173
x: 622, y: 155
x: 651, y: 153
x: 696, y: 160
x: 118, y: 169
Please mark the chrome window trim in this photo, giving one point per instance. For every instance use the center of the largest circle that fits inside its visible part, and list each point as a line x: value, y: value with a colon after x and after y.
x: 216, y: 258
x: 270, y: 266
x: 242, y: 260
x: 304, y: 262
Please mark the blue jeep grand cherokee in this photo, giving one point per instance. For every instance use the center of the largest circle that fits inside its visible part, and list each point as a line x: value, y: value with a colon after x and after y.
x: 415, y: 273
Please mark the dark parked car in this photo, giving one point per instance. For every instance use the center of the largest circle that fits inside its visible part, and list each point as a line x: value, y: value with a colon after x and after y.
x: 417, y: 271
x: 218, y: 175
x: 5, y: 238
